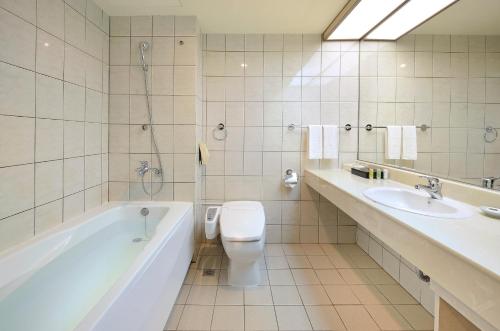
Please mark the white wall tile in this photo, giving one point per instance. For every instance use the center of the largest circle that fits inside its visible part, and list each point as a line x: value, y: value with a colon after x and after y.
x: 21, y: 50
x: 50, y: 16
x: 163, y: 25
x: 49, y: 140
x: 23, y: 8
x: 17, y: 140
x: 141, y: 26
x: 16, y: 229
x: 48, y: 181
x: 186, y: 26
x: 19, y: 87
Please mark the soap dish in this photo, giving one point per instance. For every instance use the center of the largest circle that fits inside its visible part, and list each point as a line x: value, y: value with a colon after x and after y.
x: 491, y: 211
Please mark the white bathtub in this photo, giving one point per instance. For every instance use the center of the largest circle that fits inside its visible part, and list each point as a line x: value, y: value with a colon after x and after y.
x: 90, y: 274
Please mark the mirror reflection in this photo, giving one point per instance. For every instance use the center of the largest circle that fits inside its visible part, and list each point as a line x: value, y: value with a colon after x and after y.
x: 441, y: 83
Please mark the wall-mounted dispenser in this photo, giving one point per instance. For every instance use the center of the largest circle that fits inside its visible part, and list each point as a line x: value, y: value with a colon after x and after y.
x: 290, y: 179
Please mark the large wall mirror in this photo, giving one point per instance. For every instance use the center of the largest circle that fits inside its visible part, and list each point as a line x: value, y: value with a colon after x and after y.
x: 444, y: 78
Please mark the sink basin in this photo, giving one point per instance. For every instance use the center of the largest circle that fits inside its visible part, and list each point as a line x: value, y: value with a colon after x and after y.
x: 417, y: 202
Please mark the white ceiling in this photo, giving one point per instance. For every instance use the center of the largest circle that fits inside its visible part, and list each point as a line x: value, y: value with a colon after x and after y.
x: 466, y: 17
x: 294, y: 16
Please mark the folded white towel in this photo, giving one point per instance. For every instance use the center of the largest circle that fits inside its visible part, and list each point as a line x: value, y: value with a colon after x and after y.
x: 330, y: 142
x: 393, y: 142
x: 409, y: 142
x: 315, y: 142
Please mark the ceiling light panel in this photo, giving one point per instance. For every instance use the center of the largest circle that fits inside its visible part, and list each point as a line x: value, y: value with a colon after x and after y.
x: 410, y: 16
x: 359, y: 17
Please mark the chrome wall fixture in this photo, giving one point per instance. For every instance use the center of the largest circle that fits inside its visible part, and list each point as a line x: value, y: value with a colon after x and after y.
x: 490, y: 134
x: 292, y: 127
x: 219, y: 132
x: 290, y: 179
x: 370, y: 127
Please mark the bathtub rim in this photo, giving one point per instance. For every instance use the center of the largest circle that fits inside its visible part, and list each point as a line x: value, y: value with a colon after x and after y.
x: 80, y: 220
x: 140, y: 263
x: 137, y: 268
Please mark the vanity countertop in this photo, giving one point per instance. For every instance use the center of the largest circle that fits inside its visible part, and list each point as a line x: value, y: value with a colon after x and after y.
x: 476, y: 239
x: 461, y: 255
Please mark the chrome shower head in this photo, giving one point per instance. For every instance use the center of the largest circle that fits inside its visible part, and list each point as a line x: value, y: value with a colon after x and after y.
x: 143, y: 45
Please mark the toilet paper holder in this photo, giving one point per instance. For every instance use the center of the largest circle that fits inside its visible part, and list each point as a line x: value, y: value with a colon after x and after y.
x: 290, y: 179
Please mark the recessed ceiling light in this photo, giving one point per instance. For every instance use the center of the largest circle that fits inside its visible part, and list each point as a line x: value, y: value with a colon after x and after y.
x: 407, y: 18
x: 358, y: 17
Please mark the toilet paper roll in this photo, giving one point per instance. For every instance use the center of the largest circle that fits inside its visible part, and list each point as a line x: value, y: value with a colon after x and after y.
x: 290, y: 179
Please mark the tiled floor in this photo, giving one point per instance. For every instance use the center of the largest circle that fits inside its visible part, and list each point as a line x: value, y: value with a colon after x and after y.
x: 304, y: 287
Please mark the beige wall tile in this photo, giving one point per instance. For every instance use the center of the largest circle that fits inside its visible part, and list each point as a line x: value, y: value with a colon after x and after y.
x: 73, y: 175
x: 17, y: 140
x: 49, y: 140
x: 21, y: 50
x: 23, y: 8
x: 48, y: 181
x: 49, y: 55
x: 48, y: 216
x: 19, y: 86
x: 16, y: 229
x: 74, y: 133
x: 49, y: 97
x: 50, y: 17
x: 92, y: 198
x: 17, y: 191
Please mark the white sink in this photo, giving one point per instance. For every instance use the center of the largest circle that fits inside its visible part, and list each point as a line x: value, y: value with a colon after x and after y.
x: 418, y: 202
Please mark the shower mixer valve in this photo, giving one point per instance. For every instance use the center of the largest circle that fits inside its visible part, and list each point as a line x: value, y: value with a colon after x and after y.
x: 145, y: 167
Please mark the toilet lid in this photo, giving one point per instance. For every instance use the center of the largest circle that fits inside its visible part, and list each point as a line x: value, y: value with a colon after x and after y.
x: 242, y: 221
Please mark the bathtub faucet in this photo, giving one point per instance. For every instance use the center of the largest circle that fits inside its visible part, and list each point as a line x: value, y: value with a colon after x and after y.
x: 145, y: 167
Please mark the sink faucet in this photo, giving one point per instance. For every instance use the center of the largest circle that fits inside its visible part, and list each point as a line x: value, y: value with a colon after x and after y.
x: 434, y: 187
x: 490, y: 182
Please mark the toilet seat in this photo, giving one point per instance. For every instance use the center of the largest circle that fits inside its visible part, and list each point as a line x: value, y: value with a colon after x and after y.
x: 242, y: 221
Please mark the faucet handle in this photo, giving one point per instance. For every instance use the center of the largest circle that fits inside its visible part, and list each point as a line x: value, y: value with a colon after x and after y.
x: 144, y: 163
x: 433, y: 182
x: 430, y: 179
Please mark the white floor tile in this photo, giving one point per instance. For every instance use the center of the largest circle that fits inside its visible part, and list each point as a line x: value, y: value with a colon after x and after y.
x: 229, y: 295
x: 202, y: 295
x: 196, y: 318
x: 292, y: 318
x: 285, y: 295
x: 280, y: 277
x: 228, y: 318
x: 260, y: 318
x: 324, y: 318
x: 258, y: 295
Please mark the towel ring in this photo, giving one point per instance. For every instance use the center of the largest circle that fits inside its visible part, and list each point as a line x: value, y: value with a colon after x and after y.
x: 489, y: 130
x: 219, y: 128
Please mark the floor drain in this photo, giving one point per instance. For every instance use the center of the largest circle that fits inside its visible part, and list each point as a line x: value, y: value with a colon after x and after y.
x: 208, y: 272
x: 137, y: 240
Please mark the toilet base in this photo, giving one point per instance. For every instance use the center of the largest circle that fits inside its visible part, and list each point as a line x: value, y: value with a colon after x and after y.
x: 243, y: 274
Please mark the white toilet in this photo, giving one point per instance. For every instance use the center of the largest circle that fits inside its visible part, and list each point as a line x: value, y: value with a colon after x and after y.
x: 242, y: 231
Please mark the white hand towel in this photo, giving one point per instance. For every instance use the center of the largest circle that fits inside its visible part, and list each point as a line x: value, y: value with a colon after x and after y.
x: 330, y: 142
x: 315, y: 142
x: 393, y: 142
x: 409, y: 142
